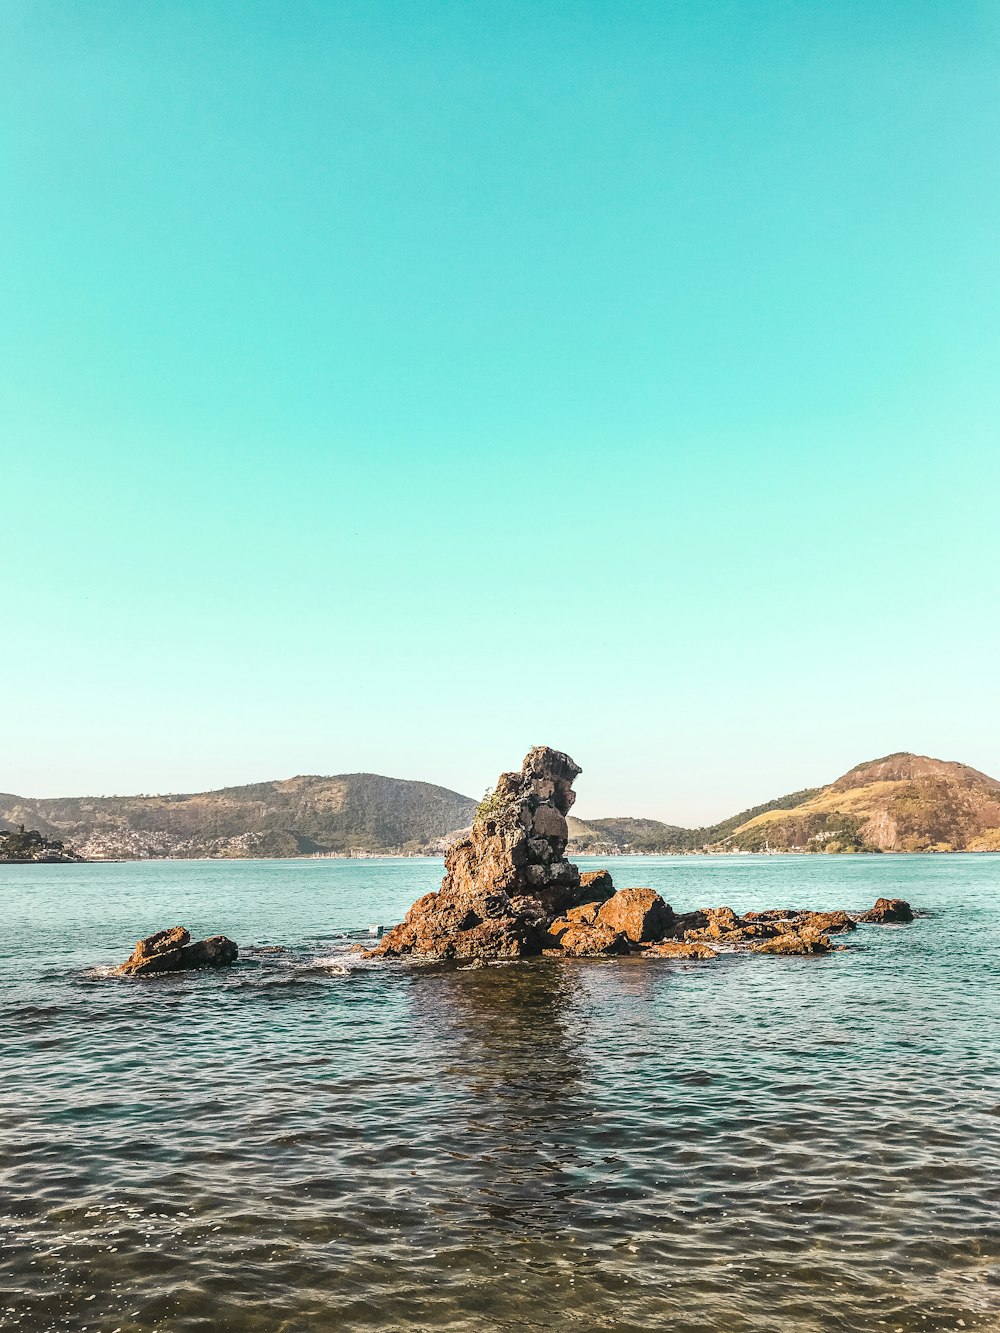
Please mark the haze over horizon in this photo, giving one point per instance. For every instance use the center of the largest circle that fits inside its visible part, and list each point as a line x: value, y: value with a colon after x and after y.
x: 393, y: 388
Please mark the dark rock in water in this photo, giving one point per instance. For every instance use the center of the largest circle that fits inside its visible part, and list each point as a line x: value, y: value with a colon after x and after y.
x: 506, y: 882
x: 640, y: 914
x: 888, y: 911
x: 596, y: 886
x: 172, y: 951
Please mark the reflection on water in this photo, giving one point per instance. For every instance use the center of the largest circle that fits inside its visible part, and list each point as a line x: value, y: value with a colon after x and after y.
x: 309, y: 1141
x: 505, y: 1034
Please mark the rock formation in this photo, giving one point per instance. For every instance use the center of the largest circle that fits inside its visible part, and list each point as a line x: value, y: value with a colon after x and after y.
x: 888, y: 911
x: 509, y: 879
x: 509, y: 892
x: 172, y: 951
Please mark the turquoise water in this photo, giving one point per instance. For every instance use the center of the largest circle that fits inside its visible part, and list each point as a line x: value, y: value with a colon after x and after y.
x: 309, y: 1141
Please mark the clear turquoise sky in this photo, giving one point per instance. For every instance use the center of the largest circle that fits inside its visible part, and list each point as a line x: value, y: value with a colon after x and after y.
x: 394, y: 386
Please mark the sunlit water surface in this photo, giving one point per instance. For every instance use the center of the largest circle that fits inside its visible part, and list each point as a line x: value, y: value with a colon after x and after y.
x: 311, y: 1141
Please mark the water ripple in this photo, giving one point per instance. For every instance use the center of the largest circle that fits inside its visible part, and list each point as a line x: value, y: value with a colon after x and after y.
x: 313, y: 1141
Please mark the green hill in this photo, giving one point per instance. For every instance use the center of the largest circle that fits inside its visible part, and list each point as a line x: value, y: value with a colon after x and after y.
x: 353, y: 811
x: 615, y: 836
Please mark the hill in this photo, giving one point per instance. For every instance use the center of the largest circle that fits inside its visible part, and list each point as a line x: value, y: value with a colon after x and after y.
x: 601, y: 837
x: 22, y: 847
x: 901, y: 803
x: 353, y: 811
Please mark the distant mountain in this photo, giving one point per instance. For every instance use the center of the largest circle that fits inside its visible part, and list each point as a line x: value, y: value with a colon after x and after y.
x: 602, y: 836
x: 902, y: 803
x: 351, y: 812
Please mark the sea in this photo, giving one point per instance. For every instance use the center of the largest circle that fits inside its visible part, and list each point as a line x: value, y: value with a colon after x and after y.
x: 314, y: 1141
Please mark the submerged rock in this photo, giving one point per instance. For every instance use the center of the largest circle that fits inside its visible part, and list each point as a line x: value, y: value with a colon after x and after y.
x: 172, y: 951
x: 680, y: 949
x: 888, y: 911
x: 802, y: 941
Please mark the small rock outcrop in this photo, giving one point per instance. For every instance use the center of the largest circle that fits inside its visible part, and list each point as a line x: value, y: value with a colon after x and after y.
x: 832, y: 923
x: 804, y: 941
x: 592, y: 941
x: 887, y: 912
x: 173, y: 951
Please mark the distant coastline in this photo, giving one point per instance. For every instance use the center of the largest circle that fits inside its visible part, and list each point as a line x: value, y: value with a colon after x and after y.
x: 900, y: 803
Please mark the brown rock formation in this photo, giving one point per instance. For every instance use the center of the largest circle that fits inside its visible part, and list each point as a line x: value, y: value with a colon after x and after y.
x: 591, y: 941
x: 508, y: 880
x: 640, y: 914
x: 596, y: 886
x: 888, y: 911
x: 172, y: 951
x: 831, y: 923
x: 509, y: 892
x: 803, y: 941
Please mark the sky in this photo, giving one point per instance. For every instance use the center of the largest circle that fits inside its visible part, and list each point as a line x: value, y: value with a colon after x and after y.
x: 392, y: 387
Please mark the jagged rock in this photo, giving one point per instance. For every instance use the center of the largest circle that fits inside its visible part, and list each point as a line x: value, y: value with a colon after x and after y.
x: 171, y: 951
x: 720, y: 920
x: 722, y: 925
x: 585, y: 914
x: 790, y: 917
x: 888, y: 911
x: 771, y: 914
x: 804, y: 941
x: 581, y: 941
x: 679, y: 949
x: 829, y: 922
x: 506, y: 883
x: 640, y: 914
x: 687, y: 921
x: 739, y: 933
x: 596, y: 886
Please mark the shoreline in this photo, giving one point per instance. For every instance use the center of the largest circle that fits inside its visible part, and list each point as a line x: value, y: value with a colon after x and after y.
x: 439, y: 856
